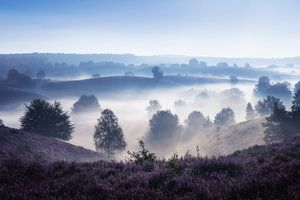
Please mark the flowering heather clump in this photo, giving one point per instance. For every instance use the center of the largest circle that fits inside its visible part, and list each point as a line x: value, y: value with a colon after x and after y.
x: 261, y: 172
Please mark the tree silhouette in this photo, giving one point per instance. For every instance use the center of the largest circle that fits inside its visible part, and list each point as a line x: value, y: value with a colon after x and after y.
x: 108, y: 135
x: 164, y: 131
x: 86, y: 103
x: 282, y: 124
x: 250, y: 112
x: 225, y: 117
x: 266, y: 106
x: 157, y: 73
x: 47, y: 119
x: 18, y: 79
x: 154, y: 106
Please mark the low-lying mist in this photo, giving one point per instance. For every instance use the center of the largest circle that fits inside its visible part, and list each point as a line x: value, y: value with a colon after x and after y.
x: 130, y: 108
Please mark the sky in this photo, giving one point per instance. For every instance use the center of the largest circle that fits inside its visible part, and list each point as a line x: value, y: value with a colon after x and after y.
x: 221, y: 28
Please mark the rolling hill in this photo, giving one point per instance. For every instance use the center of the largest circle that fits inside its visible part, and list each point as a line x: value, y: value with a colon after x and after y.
x: 31, y: 147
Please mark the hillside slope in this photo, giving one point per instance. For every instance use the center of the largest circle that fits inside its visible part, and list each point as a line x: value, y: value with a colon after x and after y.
x: 226, y: 140
x: 31, y: 147
x: 261, y: 172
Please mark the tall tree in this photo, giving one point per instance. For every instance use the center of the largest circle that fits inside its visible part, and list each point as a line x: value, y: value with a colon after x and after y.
x: 250, y: 112
x: 108, y: 135
x: 276, y: 125
x: 47, y: 119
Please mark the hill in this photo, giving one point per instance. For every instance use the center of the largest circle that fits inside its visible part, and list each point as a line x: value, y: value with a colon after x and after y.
x: 12, y: 96
x: 226, y: 140
x: 107, y: 85
x: 31, y: 147
x: 260, y: 172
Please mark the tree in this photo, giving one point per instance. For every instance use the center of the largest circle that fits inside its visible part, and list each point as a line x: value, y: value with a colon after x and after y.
x: 197, y: 120
x: 154, y: 106
x: 18, y: 79
x: 277, y: 125
x: 295, y: 114
x: 41, y: 74
x: 108, y: 135
x: 157, y: 73
x: 262, y: 86
x: 193, y: 62
x: 86, y: 103
x: 222, y: 65
x: 250, y: 112
x: 129, y: 73
x: 179, y: 103
x: 164, y: 130
x: 225, y: 117
x: 47, y: 119
x: 1, y: 123
x: 267, y: 106
x: 282, y: 124
x: 265, y: 88
x: 297, y: 86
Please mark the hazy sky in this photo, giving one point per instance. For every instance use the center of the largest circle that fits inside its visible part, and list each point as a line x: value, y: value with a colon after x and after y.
x: 230, y: 28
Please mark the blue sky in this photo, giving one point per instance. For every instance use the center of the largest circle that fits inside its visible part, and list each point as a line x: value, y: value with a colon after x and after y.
x: 229, y: 28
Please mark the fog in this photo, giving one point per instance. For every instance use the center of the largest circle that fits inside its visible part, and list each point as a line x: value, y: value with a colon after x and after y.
x: 130, y: 108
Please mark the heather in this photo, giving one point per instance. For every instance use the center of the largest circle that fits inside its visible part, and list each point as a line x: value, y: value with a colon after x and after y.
x: 260, y: 172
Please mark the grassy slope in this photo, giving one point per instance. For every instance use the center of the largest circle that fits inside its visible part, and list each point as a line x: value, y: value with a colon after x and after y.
x: 32, y: 147
x: 261, y: 172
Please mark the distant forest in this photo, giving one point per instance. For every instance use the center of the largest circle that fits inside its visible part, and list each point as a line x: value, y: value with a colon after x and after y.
x: 56, y: 65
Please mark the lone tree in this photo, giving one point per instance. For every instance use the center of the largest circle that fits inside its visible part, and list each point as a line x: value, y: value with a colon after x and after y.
x: 266, y: 106
x: 225, y: 117
x: 157, y: 73
x: 164, y: 130
x: 41, y: 74
x: 47, y: 119
x: 86, y: 103
x: 108, y: 135
x: 250, y: 112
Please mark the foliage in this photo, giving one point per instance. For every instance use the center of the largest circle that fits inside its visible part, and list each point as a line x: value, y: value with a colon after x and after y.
x: 266, y: 107
x: 225, y: 117
x: 86, y: 103
x: 265, y: 88
x: 261, y: 172
x: 47, y: 119
x: 108, y: 135
x: 18, y: 79
x: 157, y: 73
x: 129, y: 73
x: 1, y: 123
x: 164, y: 124
x: 164, y: 131
x: 154, y: 106
x: 283, y: 124
x: 197, y: 120
x: 142, y: 155
x: 250, y: 112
